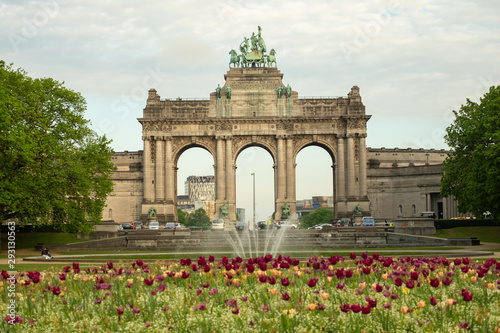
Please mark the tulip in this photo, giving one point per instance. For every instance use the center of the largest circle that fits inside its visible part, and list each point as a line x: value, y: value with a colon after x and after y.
x: 285, y: 282
x: 451, y: 301
x: 345, y: 307
x: 312, y: 282
x: 312, y: 307
x: 325, y: 296
x: 421, y: 304
x: 355, y: 308
x: 285, y: 296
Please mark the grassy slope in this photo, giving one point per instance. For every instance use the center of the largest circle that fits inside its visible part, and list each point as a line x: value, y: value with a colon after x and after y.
x: 484, y: 234
x: 28, y: 240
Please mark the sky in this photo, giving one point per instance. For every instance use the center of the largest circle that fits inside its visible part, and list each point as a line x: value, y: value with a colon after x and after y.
x: 414, y: 61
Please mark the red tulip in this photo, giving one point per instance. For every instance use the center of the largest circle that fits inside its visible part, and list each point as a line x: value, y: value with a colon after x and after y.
x: 312, y: 282
x: 285, y: 296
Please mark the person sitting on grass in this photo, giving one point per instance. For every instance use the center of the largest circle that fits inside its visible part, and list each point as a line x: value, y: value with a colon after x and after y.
x: 46, y: 253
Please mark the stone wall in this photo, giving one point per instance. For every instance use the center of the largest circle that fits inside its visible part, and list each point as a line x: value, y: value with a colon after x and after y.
x: 265, y: 241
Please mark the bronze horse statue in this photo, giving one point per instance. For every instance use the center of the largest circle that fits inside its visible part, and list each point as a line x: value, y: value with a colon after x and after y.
x: 271, y: 59
x: 235, y: 59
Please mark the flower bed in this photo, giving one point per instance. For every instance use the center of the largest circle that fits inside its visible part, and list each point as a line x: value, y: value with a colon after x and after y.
x: 357, y: 294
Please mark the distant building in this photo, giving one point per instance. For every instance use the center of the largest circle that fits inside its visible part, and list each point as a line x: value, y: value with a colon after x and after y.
x: 200, y: 188
x: 241, y: 214
x: 306, y: 206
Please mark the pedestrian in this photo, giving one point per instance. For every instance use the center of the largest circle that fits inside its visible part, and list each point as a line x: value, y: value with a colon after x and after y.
x: 46, y: 253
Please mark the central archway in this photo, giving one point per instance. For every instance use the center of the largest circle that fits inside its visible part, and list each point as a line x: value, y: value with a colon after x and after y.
x: 254, y: 114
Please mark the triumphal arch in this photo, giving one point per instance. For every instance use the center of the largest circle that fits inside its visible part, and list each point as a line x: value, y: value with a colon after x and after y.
x: 254, y: 108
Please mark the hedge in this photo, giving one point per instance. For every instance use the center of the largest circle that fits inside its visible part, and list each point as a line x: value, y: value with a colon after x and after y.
x: 454, y: 223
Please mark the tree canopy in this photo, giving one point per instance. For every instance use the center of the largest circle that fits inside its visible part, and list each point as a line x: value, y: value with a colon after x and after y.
x: 198, y: 218
x: 319, y: 216
x: 53, y: 167
x: 472, y: 170
x: 181, y: 216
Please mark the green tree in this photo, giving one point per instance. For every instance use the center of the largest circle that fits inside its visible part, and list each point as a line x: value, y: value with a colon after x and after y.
x: 53, y: 167
x: 198, y: 218
x: 472, y: 170
x: 181, y: 216
x: 319, y: 216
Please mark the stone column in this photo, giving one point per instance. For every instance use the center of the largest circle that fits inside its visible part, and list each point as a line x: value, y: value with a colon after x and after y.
x: 362, y: 166
x: 160, y: 169
x: 148, y: 171
x: 230, y: 179
x: 169, y: 166
x: 351, y: 178
x: 340, y: 163
x: 281, y: 169
x: 220, y: 182
x: 290, y: 177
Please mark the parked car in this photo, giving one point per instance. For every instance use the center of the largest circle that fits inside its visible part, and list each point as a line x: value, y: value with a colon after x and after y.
x: 321, y: 226
x: 154, y: 225
x: 169, y: 225
x: 138, y: 225
x: 430, y: 215
x: 368, y: 221
x: 344, y: 222
x: 180, y: 226
x: 287, y: 224
x: 240, y: 225
x: 124, y: 226
x: 218, y: 224
x: 264, y: 225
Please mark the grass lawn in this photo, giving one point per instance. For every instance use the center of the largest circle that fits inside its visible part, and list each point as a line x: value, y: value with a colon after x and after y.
x: 484, y: 234
x: 28, y: 240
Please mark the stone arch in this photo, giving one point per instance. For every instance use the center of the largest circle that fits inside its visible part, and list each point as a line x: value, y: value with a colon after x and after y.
x: 183, y: 146
x: 327, y: 146
x: 266, y: 145
x: 254, y: 116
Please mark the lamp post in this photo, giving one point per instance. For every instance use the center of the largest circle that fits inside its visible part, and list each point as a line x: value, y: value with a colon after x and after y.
x: 253, y: 174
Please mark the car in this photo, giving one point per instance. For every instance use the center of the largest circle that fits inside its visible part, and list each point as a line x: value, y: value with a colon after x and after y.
x: 218, y: 224
x: 321, y: 226
x: 124, y: 226
x: 287, y: 225
x: 179, y: 226
x: 137, y: 225
x: 430, y: 215
x: 154, y: 225
x: 262, y: 225
x: 240, y: 225
x: 344, y: 222
x: 169, y: 225
x: 368, y: 221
